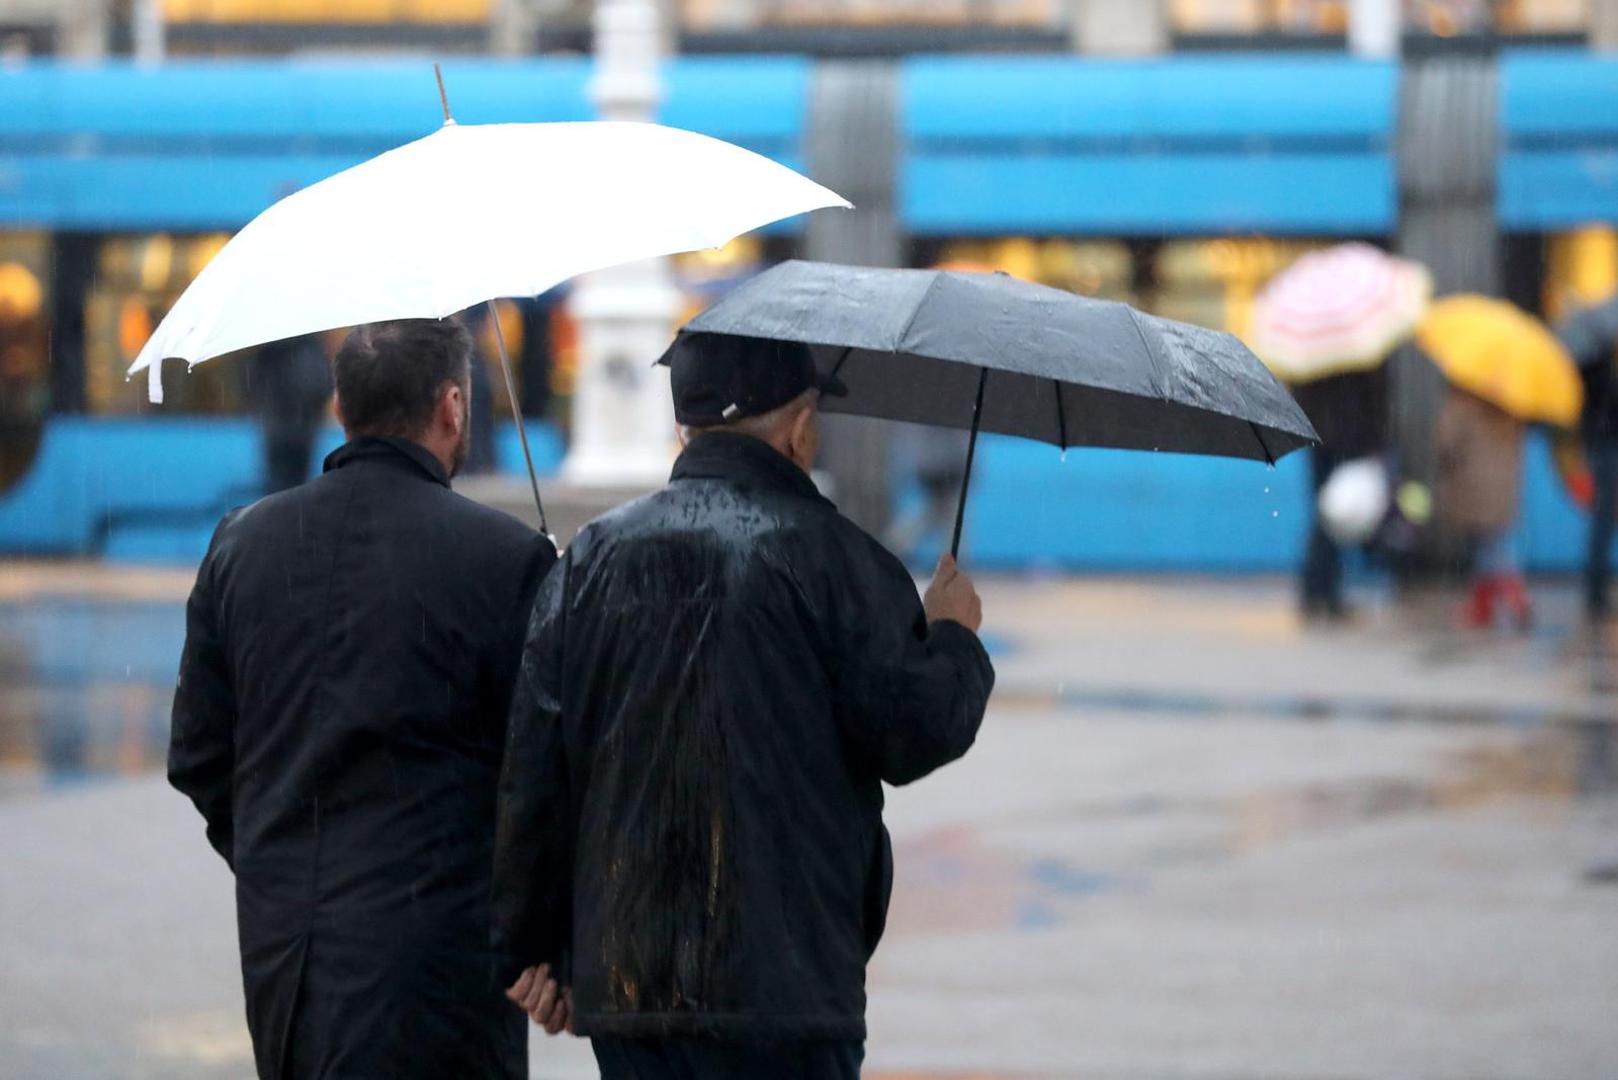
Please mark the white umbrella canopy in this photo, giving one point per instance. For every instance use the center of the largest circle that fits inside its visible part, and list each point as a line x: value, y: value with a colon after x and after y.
x: 1338, y: 310
x: 468, y: 214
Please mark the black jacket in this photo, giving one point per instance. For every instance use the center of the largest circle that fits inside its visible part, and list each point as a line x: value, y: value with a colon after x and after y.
x: 350, y: 650
x: 717, y: 680
x: 1599, y: 422
x: 1349, y: 411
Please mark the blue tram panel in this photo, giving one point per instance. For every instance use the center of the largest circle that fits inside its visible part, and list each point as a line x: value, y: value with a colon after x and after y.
x: 1558, y: 163
x: 210, y: 144
x: 1201, y: 145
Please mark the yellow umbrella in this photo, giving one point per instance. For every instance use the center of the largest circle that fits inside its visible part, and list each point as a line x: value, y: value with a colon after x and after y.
x: 1502, y: 354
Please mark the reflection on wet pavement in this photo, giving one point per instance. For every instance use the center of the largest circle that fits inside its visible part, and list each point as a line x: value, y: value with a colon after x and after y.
x: 957, y: 880
x: 85, y: 688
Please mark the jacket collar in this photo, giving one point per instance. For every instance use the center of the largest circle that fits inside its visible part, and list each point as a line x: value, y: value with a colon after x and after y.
x: 396, y: 453
x: 746, y: 461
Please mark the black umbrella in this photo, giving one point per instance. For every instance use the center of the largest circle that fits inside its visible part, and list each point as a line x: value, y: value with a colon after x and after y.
x: 1591, y: 334
x: 974, y: 350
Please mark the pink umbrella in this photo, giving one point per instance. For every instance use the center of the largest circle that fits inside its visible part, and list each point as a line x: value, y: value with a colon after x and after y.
x: 1338, y: 310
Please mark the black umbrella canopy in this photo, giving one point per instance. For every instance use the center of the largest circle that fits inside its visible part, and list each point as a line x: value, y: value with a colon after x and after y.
x: 920, y: 346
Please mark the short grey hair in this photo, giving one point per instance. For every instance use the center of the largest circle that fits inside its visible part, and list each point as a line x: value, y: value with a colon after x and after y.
x: 763, y: 426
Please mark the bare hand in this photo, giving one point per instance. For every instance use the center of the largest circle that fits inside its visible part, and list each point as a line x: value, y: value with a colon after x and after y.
x: 952, y: 596
x: 546, y: 1003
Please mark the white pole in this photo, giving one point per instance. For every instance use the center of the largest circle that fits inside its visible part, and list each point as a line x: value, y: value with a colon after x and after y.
x: 149, y: 32
x: 1374, y: 29
x: 623, y: 421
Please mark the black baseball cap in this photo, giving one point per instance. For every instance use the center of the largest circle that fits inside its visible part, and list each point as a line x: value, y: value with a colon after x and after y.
x: 720, y: 378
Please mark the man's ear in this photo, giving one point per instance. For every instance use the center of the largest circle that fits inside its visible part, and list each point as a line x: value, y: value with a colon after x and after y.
x: 802, y: 432
x: 337, y: 411
x: 801, y: 439
x: 451, y: 408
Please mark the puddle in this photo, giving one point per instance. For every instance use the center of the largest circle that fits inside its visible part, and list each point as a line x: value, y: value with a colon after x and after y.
x: 1303, y: 707
x: 950, y: 880
x: 957, y: 879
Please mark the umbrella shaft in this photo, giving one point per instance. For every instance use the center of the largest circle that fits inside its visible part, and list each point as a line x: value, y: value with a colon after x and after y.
x: 966, y: 477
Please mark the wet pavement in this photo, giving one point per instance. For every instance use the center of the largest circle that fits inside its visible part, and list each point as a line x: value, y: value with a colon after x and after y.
x: 1195, y: 840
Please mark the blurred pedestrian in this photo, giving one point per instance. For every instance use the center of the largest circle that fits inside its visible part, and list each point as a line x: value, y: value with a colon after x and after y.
x: 289, y: 385
x: 1350, y: 413
x: 1600, y: 429
x: 480, y: 456
x: 350, y: 650
x: 1479, y: 486
x: 717, y: 682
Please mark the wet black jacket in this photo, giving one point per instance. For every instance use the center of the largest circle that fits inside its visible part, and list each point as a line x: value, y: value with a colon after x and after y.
x: 717, y: 681
x: 350, y: 649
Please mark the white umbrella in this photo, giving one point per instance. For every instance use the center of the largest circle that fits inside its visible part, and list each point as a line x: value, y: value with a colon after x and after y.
x: 466, y: 215
x: 1338, y: 310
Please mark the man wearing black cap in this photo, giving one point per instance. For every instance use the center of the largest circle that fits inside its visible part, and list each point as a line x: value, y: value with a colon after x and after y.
x: 717, y: 680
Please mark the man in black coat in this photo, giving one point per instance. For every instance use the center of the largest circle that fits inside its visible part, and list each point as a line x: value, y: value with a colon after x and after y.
x: 350, y: 649
x: 718, y: 679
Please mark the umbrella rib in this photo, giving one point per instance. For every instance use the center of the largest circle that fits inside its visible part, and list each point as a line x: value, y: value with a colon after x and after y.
x: 1269, y: 458
x: 921, y: 302
x: 835, y: 368
x: 1157, y: 364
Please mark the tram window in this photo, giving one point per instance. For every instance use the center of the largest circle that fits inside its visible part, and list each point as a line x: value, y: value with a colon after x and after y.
x: 327, y: 11
x: 24, y: 351
x: 1439, y: 18
x: 1211, y: 281
x: 1307, y: 17
x: 714, y: 14
x: 137, y: 278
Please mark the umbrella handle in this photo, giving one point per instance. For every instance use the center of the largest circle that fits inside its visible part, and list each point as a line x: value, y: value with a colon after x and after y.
x: 516, y: 414
x: 966, y: 477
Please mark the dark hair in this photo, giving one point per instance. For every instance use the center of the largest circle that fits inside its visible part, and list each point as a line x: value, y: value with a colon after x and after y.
x: 389, y: 375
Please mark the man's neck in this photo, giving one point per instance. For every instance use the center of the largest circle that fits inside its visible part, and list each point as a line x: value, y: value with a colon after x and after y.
x: 442, y: 453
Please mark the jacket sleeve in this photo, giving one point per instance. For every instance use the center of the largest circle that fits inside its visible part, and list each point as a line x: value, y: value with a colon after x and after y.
x: 912, y: 693
x: 202, y: 739
x: 538, y: 557
x: 533, y: 864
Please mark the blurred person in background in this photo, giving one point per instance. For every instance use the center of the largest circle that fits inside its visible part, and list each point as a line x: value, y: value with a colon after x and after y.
x: 718, y: 680
x: 1478, y: 490
x: 289, y: 385
x: 350, y: 650
x: 480, y: 455
x: 1599, y: 426
x: 1350, y: 413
